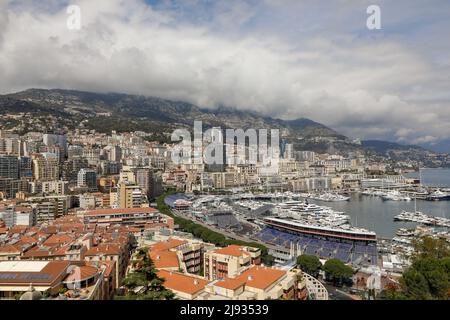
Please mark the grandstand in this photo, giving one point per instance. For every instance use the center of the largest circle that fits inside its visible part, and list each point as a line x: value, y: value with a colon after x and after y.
x: 223, y: 219
x: 171, y: 200
x: 348, y: 252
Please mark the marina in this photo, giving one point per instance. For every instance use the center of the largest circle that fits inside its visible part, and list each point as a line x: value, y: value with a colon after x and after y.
x: 327, y: 197
x: 306, y: 228
x: 422, y: 218
x: 362, y: 230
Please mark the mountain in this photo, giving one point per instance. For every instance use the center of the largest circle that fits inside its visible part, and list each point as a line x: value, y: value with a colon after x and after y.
x: 396, y: 153
x: 383, y: 147
x: 62, y: 110
x: 151, y: 114
x: 442, y: 146
x: 157, y: 109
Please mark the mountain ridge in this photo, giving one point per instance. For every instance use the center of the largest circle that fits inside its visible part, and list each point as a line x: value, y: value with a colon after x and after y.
x: 153, y: 113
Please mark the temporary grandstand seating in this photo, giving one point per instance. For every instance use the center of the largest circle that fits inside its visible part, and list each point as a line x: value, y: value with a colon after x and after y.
x: 323, y: 248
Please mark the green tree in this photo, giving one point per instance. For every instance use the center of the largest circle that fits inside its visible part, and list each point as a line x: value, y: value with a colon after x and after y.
x: 143, y: 282
x: 415, y: 285
x: 309, y: 264
x: 428, y: 276
x: 337, y: 272
x: 427, y: 247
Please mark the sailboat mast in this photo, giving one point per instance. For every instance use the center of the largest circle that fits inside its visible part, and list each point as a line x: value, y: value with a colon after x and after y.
x: 420, y: 177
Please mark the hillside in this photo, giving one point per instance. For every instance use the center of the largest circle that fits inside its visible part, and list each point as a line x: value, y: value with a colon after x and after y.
x: 383, y: 147
x: 121, y: 112
x: 62, y: 110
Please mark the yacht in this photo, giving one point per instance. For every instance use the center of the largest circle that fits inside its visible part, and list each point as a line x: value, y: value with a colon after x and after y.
x: 438, y: 195
x: 322, y: 228
x: 328, y: 197
x: 422, y: 218
x: 403, y: 232
x: 396, y: 196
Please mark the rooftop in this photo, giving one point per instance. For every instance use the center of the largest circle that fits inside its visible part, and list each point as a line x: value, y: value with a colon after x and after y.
x: 165, y: 259
x: 233, y: 250
x: 25, y: 272
x: 167, y: 245
x: 260, y: 277
x: 182, y: 282
x: 229, y: 283
x: 120, y: 211
x: 81, y: 274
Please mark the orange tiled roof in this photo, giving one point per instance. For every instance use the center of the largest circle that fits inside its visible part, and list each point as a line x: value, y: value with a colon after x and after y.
x: 58, y: 238
x: 27, y: 240
x: 81, y: 273
x: 232, y: 250
x: 39, y: 252
x: 61, y: 251
x: 18, y: 229
x: 108, y: 249
x: 50, y: 229
x: 8, y: 248
x: 230, y: 283
x: 260, y: 277
x: 182, y: 282
x: 167, y: 245
x: 164, y: 259
x: 120, y: 211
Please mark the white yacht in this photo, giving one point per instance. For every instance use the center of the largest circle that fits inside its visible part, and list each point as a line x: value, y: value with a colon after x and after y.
x: 396, y: 195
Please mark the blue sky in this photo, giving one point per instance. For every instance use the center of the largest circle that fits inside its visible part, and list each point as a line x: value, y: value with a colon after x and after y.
x: 284, y: 58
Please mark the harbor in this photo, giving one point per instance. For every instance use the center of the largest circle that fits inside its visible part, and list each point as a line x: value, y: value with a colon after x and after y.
x: 357, y: 228
x: 422, y: 218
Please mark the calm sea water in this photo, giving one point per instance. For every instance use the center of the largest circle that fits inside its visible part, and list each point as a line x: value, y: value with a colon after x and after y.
x: 432, y: 177
x: 376, y: 214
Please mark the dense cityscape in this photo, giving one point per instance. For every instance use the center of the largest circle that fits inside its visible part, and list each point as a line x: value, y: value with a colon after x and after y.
x: 79, y: 210
x: 224, y: 159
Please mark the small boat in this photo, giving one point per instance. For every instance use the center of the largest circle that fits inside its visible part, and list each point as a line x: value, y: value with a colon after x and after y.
x: 403, y: 232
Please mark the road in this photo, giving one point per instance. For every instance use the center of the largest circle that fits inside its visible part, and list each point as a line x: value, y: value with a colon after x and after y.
x: 335, y: 293
x: 224, y: 232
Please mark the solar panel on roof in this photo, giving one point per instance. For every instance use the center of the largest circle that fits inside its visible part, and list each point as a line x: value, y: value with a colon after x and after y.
x: 31, y: 276
x: 7, y: 276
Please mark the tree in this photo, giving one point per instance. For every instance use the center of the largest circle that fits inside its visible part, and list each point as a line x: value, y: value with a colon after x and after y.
x: 143, y: 283
x: 427, y: 247
x: 337, y: 272
x: 392, y: 292
x: 309, y: 264
x: 268, y: 259
x: 415, y: 285
x: 428, y: 276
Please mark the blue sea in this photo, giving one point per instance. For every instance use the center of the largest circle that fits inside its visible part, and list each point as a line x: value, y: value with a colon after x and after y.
x: 432, y: 177
x: 376, y: 214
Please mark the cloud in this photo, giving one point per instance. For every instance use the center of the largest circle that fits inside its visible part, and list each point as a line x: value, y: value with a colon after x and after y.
x: 3, y: 22
x: 364, y: 85
x: 425, y: 140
